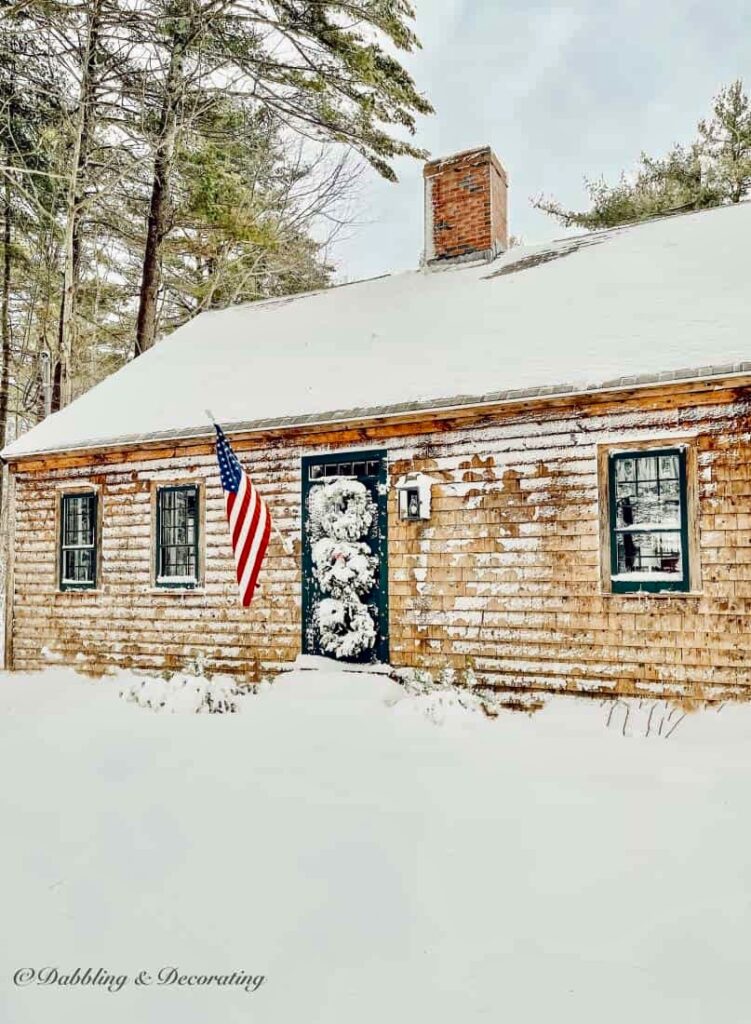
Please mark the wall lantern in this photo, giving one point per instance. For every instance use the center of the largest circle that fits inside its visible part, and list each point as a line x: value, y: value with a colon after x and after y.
x: 413, y: 491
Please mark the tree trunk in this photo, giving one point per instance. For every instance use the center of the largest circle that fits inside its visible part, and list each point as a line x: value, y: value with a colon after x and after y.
x: 5, y: 323
x: 158, y: 223
x: 74, y: 203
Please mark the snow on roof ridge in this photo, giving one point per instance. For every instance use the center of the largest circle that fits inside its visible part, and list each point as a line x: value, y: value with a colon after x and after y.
x: 283, y: 300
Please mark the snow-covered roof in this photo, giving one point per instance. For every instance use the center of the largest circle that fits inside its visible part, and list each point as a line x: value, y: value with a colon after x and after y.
x: 665, y: 299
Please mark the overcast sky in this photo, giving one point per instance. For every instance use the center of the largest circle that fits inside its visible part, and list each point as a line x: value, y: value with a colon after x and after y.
x: 558, y: 91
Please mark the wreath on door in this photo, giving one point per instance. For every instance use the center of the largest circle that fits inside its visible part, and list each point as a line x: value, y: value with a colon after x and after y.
x: 341, y: 513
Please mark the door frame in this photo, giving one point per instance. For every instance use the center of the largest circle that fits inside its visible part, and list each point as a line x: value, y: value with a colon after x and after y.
x: 326, y: 459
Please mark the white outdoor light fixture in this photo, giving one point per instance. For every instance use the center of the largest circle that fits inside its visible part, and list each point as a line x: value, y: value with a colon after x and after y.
x: 413, y: 491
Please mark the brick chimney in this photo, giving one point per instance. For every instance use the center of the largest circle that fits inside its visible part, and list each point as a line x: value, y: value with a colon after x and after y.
x: 466, y: 207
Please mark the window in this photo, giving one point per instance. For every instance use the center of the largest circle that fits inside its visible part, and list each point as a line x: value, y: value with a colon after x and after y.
x: 319, y: 471
x: 177, y: 536
x: 648, y: 520
x: 78, y: 541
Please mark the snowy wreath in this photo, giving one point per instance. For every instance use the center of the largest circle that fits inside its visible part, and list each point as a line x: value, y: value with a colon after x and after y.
x: 345, y: 628
x: 342, y: 509
x: 343, y: 568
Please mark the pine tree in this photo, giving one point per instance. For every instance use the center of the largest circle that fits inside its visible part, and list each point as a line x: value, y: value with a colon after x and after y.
x: 320, y: 69
x: 28, y: 185
x: 726, y: 141
x: 89, y: 44
x: 179, y: 148
x: 712, y: 171
x: 245, y: 204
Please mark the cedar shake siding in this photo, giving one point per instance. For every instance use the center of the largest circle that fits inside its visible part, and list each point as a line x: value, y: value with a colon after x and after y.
x: 506, y: 577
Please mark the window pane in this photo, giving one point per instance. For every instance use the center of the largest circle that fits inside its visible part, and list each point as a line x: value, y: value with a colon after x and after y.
x: 348, y: 469
x: 653, y: 511
x: 178, y: 533
x: 178, y: 561
x: 79, y: 519
x: 648, y: 518
x: 78, y: 540
x: 649, y: 556
x: 78, y: 565
x: 647, y: 488
x: 650, y: 502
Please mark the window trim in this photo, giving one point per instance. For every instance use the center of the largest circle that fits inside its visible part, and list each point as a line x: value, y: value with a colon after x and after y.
x: 67, y: 586
x: 692, y: 581
x: 180, y: 584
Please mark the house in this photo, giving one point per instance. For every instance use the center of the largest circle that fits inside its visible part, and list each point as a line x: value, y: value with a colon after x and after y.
x: 533, y: 462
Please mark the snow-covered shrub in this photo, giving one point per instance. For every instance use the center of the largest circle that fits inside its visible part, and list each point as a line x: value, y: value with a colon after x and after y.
x: 341, y: 509
x: 414, y: 680
x: 419, y: 680
x: 447, y: 677
x: 452, y: 689
x: 345, y: 628
x: 343, y: 567
x: 438, y: 698
x: 184, y: 694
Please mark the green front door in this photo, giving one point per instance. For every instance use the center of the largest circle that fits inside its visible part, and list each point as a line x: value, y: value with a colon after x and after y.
x: 345, y: 556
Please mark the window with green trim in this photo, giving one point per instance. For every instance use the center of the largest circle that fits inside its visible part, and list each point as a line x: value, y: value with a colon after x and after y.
x: 177, y: 536
x: 648, y: 520
x: 78, y: 541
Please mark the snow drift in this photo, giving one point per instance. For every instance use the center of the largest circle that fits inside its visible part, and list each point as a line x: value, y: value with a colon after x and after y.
x: 373, y: 854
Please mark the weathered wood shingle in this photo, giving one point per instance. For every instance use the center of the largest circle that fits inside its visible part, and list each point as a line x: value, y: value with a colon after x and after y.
x: 504, y: 578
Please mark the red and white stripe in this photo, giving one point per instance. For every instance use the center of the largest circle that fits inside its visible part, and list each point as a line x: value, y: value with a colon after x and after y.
x: 250, y: 528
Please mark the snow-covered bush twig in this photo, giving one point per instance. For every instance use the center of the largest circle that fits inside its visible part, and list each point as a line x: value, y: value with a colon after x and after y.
x: 647, y: 718
x: 185, y: 694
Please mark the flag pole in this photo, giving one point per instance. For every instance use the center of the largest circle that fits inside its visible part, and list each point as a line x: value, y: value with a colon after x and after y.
x: 288, y: 548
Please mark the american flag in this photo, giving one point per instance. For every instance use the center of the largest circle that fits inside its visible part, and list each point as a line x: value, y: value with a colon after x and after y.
x: 249, y: 518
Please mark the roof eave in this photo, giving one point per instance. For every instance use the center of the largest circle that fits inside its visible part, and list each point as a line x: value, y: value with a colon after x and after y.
x: 737, y: 373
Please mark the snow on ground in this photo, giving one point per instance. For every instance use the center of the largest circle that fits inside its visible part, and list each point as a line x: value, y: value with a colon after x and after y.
x: 372, y: 861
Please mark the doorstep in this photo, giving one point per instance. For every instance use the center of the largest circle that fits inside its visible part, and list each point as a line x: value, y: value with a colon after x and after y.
x: 318, y: 663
